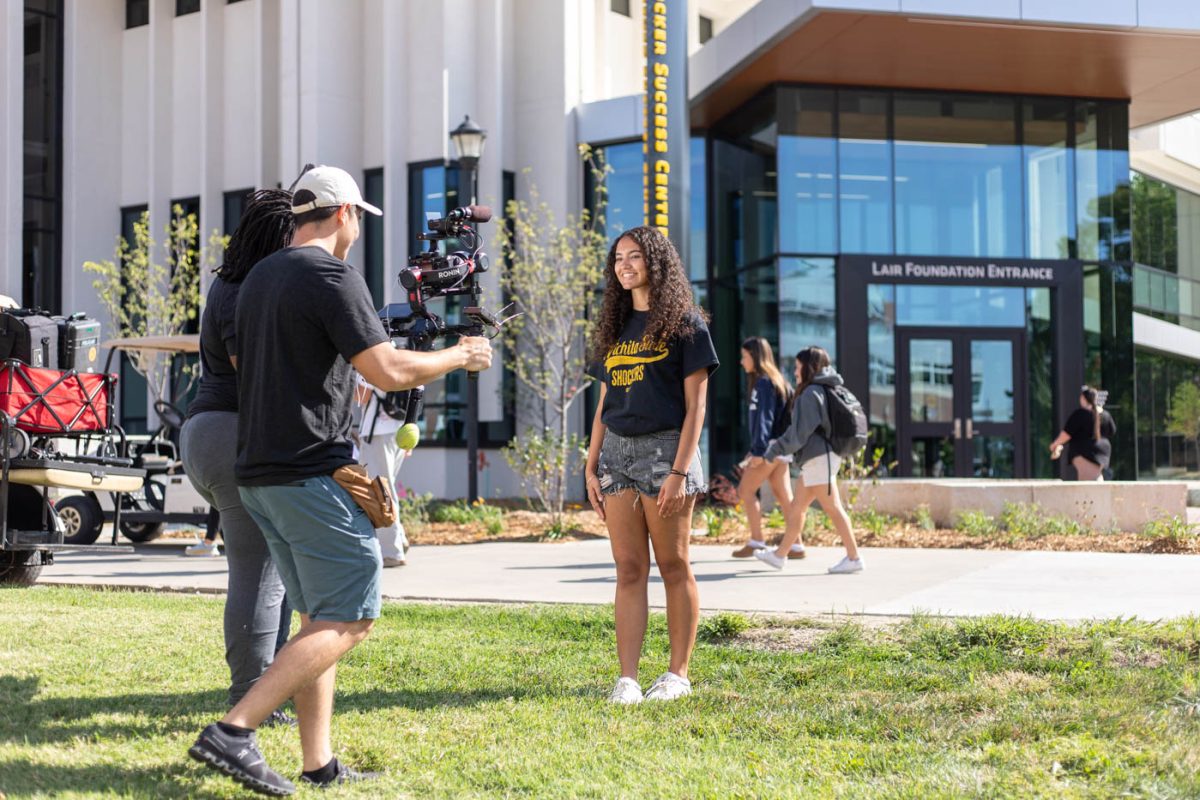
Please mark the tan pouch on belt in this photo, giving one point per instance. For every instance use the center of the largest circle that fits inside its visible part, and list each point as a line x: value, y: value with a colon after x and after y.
x: 373, y: 496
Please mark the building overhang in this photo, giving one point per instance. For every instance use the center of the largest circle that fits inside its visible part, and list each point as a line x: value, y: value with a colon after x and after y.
x: 800, y: 41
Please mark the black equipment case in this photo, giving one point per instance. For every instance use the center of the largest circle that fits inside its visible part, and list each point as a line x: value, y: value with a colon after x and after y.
x: 78, y: 343
x: 30, y: 336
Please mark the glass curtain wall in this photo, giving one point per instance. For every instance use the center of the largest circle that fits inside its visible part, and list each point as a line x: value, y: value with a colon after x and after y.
x: 1166, y: 251
x: 802, y: 174
x: 1168, y: 440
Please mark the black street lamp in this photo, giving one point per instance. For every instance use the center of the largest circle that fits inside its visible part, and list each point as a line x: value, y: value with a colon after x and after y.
x: 468, y: 141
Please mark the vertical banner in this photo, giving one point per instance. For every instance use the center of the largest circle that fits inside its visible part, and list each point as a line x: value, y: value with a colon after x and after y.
x: 666, y: 128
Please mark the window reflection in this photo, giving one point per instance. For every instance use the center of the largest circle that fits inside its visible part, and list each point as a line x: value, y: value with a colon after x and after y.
x: 952, y: 306
x: 807, y: 172
x: 1048, y: 174
x: 864, y: 173
x: 807, y: 306
x: 958, y: 176
x: 931, y: 380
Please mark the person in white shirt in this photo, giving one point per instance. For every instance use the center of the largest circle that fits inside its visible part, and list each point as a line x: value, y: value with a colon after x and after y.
x: 379, y: 453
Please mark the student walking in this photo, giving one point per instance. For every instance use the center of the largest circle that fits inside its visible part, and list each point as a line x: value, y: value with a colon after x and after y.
x: 1087, y: 436
x: 808, y: 437
x: 643, y: 467
x: 770, y: 398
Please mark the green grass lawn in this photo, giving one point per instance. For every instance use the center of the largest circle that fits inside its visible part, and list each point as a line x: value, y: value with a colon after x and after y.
x: 101, y: 693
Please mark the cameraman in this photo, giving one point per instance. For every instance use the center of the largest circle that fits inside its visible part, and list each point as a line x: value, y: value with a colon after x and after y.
x: 304, y: 318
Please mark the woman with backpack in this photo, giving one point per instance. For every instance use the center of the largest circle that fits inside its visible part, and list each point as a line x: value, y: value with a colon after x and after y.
x: 769, y: 417
x: 643, y: 469
x: 809, y: 438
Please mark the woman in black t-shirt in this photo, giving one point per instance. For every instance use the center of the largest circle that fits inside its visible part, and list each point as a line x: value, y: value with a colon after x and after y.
x: 1087, y: 435
x: 643, y: 466
x: 257, y: 614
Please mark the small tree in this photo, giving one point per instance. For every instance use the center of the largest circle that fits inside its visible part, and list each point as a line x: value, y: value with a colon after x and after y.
x: 144, y: 296
x: 1184, y: 415
x: 551, y: 274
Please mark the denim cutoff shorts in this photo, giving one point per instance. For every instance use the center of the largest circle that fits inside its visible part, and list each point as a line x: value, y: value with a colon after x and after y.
x: 644, y: 463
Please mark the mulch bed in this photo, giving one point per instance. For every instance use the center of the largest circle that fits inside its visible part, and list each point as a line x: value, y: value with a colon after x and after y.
x: 583, y: 525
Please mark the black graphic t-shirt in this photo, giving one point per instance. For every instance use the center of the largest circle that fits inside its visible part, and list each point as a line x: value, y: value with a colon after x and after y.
x: 644, y: 379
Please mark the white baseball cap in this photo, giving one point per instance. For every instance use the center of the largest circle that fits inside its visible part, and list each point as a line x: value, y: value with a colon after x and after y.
x: 331, y: 187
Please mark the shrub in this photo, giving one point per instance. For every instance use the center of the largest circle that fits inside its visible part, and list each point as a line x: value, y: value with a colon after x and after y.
x: 462, y: 513
x: 1173, y: 529
x: 817, y: 520
x: 413, y: 510
x: 873, y: 521
x: 923, y: 518
x: 720, y: 627
x: 977, y: 523
x: 1028, y: 521
x: 717, y: 518
x: 775, y: 519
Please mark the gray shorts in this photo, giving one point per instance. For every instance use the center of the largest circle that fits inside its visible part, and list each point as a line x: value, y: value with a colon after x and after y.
x: 644, y: 463
x: 323, y: 546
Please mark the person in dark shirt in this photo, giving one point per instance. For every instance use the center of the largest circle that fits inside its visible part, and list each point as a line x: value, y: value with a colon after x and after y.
x: 1087, y: 436
x: 305, y: 321
x: 769, y: 416
x: 256, y: 611
x: 643, y: 467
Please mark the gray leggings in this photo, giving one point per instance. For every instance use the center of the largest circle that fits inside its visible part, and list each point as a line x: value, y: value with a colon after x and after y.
x: 257, y: 615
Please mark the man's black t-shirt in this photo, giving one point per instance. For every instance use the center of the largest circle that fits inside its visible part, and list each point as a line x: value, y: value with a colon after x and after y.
x: 644, y: 379
x: 301, y: 316
x: 218, y: 341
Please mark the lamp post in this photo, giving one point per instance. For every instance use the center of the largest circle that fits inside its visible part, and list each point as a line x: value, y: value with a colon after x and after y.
x: 468, y: 139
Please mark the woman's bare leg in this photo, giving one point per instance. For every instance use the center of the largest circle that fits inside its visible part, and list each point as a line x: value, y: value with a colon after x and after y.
x: 627, y: 534
x: 670, y: 536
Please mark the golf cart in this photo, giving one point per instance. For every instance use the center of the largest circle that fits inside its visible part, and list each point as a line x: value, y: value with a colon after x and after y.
x: 167, y: 496
x: 57, y: 431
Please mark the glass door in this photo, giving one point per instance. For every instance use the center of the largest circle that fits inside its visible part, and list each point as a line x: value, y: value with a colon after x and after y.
x: 961, y: 403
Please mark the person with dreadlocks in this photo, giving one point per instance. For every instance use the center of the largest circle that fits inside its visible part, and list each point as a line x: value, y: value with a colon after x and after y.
x: 257, y: 615
x: 643, y: 467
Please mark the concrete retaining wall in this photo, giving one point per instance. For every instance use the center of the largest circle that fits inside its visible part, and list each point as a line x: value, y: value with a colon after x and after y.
x: 1123, y: 505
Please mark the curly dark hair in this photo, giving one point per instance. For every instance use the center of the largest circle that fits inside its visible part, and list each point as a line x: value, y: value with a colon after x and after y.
x: 673, y: 309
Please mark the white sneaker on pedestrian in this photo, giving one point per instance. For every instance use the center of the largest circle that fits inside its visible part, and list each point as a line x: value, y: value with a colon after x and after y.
x: 768, y: 557
x: 847, y: 565
x: 627, y: 692
x: 669, y: 686
x: 204, y: 548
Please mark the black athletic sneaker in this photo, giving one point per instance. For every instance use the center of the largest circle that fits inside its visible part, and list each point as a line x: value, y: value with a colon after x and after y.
x: 344, y: 775
x: 239, y: 758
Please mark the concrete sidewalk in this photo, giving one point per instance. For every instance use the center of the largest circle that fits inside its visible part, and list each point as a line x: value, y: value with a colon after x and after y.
x: 950, y: 582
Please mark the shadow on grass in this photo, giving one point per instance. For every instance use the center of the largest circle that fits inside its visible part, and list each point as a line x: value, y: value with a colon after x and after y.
x: 424, y: 700
x: 32, y: 720
x: 29, y: 719
x: 22, y: 778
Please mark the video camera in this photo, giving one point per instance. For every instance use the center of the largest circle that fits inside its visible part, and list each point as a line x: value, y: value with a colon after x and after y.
x: 432, y: 273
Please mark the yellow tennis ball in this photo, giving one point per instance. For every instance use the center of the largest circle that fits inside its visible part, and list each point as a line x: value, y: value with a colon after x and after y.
x: 408, y: 436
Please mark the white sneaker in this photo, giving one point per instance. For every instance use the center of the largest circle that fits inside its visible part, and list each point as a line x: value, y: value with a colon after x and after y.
x: 768, y: 557
x: 847, y: 566
x: 669, y: 686
x: 627, y: 692
x: 203, y: 549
